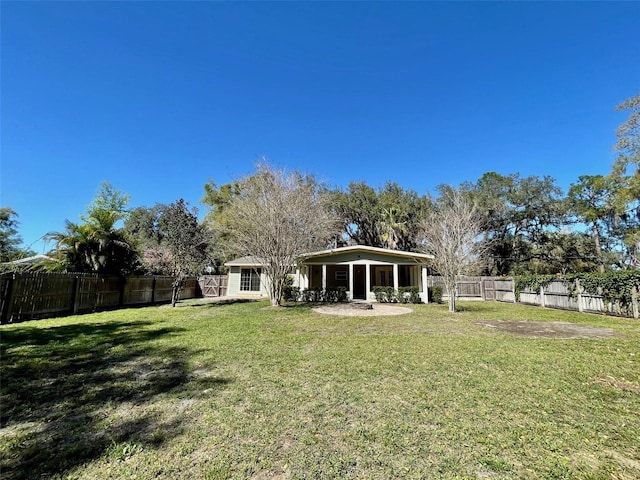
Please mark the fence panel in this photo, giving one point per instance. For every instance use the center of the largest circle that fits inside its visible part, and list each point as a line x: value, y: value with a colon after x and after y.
x: 213, y: 285
x: 27, y: 296
x: 190, y: 289
x: 36, y: 295
x: 592, y: 303
x: 504, y: 290
x: 164, y: 289
x: 481, y: 288
x: 97, y: 293
x: 530, y: 297
x: 138, y: 290
x: 469, y: 288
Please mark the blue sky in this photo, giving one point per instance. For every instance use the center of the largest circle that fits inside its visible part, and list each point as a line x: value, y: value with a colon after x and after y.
x: 159, y: 97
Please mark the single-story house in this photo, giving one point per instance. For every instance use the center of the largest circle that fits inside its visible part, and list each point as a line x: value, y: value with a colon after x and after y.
x: 29, y: 262
x: 357, y: 268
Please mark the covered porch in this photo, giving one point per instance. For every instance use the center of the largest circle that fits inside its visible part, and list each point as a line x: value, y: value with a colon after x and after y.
x: 360, y: 269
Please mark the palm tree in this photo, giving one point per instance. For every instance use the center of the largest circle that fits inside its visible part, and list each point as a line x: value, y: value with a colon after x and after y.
x: 97, y: 245
x: 394, y: 227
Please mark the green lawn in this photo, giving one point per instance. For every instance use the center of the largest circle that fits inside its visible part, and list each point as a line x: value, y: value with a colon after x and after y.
x: 246, y: 391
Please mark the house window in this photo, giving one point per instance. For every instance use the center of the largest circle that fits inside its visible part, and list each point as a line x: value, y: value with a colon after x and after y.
x: 250, y: 279
x: 341, y: 275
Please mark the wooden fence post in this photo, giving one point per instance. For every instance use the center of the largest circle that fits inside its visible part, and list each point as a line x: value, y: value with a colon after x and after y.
x: 153, y: 290
x: 579, y: 295
x: 541, y: 296
x: 634, y: 303
x: 5, y: 297
x: 75, y: 297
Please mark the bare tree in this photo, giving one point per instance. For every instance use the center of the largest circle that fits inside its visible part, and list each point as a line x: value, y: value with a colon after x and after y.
x: 450, y: 232
x: 277, y: 217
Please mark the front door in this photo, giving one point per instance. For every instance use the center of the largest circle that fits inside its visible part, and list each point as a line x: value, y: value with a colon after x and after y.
x: 359, y: 282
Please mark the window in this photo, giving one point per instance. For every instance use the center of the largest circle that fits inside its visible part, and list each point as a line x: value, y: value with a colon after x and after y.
x: 250, y: 279
x: 341, y: 275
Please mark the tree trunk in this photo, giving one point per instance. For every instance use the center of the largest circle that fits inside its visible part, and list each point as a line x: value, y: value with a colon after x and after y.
x: 451, y: 288
x: 452, y: 302
x: 176, y: 289
x: 596, y: 240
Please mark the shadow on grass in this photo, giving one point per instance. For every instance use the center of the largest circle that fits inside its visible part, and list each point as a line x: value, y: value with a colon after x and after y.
x: 73, y: 393
x: 217, y: 302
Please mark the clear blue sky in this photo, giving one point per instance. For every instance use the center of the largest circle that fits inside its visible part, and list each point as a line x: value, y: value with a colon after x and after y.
x: 158, y: 98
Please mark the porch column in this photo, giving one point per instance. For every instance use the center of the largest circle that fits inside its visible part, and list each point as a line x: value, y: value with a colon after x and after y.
x: 425, y: 289
x: 396, y: 282
x: 368, y: 281
x: 351, y: 281
x: 324, y: 276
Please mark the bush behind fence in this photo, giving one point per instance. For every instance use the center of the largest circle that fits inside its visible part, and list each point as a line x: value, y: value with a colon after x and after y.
x: 27, y: 296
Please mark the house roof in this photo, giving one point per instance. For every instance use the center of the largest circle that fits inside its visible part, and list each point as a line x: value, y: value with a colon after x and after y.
x: 30, y: 260
x: 365, y: 248
x: 248, y: 261
x: 252, y: 261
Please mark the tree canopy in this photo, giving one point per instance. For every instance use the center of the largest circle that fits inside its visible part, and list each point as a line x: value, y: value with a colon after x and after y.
x: 97, y: 245
x: 10, y: 239
x: 277, y: 217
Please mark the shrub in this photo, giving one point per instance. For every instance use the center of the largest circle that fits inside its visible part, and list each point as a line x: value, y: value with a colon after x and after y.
x: 385, y: 294
x: 289, y: 292
x: 329, y: 295
x: 435, y: 294
x: 402, y: 295
x: 335, y: 294
x: 409, y: 295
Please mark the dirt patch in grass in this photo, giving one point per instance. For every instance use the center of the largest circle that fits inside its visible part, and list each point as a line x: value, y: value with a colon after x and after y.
x: 548, y: 329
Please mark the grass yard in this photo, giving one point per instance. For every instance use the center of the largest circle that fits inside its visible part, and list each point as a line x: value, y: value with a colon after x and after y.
x: 245, y: 391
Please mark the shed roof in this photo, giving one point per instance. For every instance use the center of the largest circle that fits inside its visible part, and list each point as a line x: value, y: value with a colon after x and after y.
x: 248, y: 261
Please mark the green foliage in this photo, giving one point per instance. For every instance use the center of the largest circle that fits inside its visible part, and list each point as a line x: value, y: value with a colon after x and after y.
x: 409, y: 295
x: 387, y: 217
x: 98, y: 245
x: 10, y: 240
x: 289, y: 292
x: 613, y: 286
x: 108, y: 207
x: 435, y: 293
x: 517, y: 215
x: 402, y: 295
x: 385, y: 294
x: 532, y: 282
x: 328, y: 295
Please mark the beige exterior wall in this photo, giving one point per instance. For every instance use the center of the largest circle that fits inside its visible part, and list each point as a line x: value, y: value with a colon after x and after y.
x: 321, y: 271
x: 233, y: 287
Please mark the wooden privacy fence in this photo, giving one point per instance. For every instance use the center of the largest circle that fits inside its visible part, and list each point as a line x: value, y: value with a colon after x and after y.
x: 479, y: 288
x: 213, y: 285
x: 25, y: 296
x: 556, y: 295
